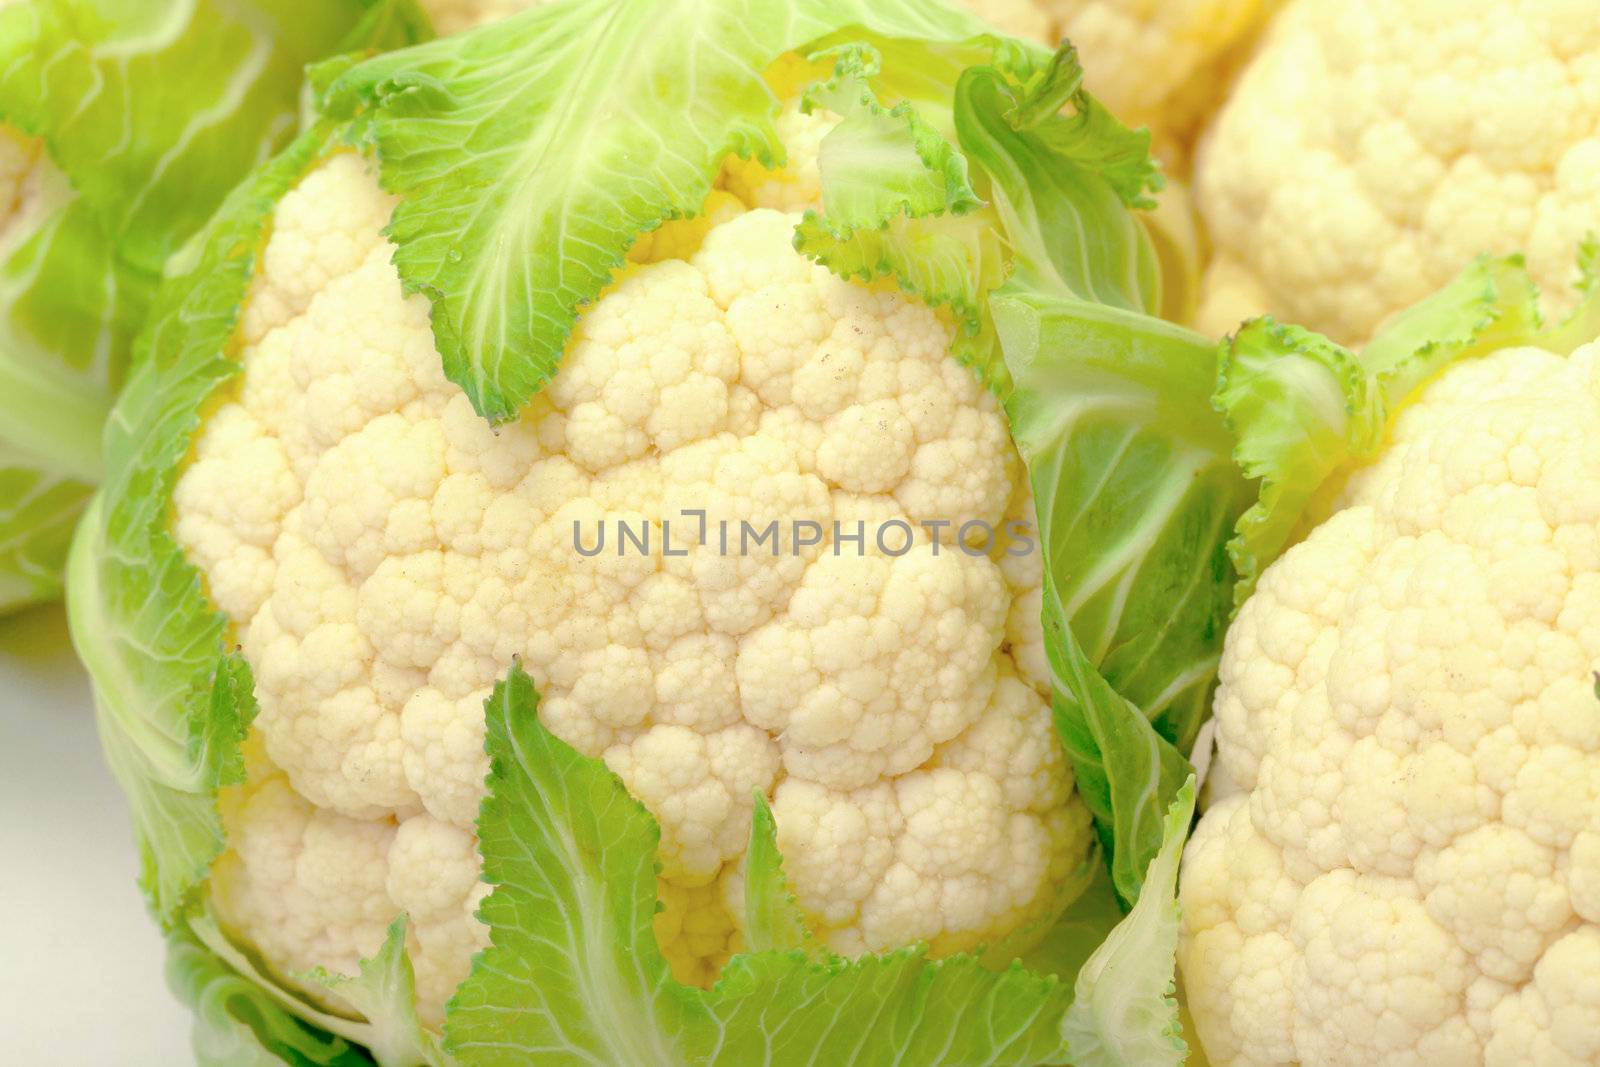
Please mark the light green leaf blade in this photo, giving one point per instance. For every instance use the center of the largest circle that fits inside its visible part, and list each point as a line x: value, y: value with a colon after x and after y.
x: 1123, y: 1011
x: 573, y: 973
x: 897, y: 199
x: 170, y: 718
x: 772, y: 920
x: 156, y: 109
x: 1061, y: 185
x: 38, y: 512
x: 67, y: 312
x: 531, y: 154
x: 1304, y: 408
x: 1057, y: 188
x: 1137, y: 495
x: 1583, y: 325
x: 385, y: 994
x: 171, y: 706
x: 1491, y: 304
x: 150, y: 112
x: 776, y: 1010
x: 1126, y: 771
x: 237, y: 1022
x: 1299, y: 406
x: 387, y: 25
x: 881, y: 162
x: 950, y: 262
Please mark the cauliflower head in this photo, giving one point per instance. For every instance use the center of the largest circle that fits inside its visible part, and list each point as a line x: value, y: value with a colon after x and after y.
x: 1401, y: 862
x: 546, y: 566
x: 1165, y: 64
x: 1371, y: 149
x: 385, y: 555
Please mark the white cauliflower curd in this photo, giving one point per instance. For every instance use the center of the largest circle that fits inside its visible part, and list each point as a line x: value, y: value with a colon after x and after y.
x: 1371, y: 149
x: 385, y: 555
x: 1401, y: 863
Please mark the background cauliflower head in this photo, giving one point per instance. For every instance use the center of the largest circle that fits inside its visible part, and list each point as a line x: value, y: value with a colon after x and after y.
x: 1402, y: 862
x: 1371, y: 149
x: 385, y: 555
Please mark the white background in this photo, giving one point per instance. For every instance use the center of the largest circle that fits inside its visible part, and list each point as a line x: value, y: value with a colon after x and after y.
x: 80, y: 960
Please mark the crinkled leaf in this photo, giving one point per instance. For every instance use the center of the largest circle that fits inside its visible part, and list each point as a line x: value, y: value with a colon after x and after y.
x: 1299, y: 405
x: 171, y: 707
x: 1583, y: 325
x: 948, y: 261
x: 532, y: 153
x: 1061, y: 185
x: 387, y: 25
x: 1057, y: 188
x: 1089, y: 135
x: 574, y: 975
x: 1304, y: 408
x: 921, y: 230
x: 1491, y: 304
x: 1123, y: 1011
x: 385, y: 994
x: 1136, y: 494
x: 772, y: 919
x: 881, y: 162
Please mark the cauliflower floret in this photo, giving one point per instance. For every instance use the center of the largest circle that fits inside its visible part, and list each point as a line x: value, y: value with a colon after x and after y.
x: 1165, y: 64
x: 1372, y: 148
x: 796, y: 186
x: 838, y: 679
x: 1402, y: 859
x: 313, y: 888
x: 875, y: 863
x: 384, y: 556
